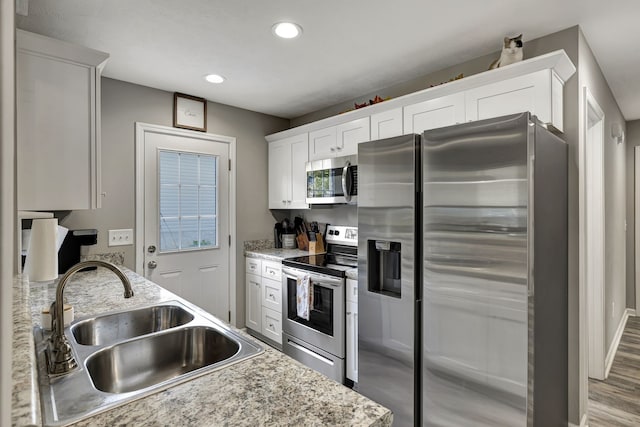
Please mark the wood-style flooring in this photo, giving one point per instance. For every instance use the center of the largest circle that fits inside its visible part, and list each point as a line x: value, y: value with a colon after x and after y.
x: 616, y: 401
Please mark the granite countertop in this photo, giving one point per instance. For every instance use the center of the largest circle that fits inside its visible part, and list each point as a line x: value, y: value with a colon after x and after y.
x: 274, y: 254
x: 268, y: 389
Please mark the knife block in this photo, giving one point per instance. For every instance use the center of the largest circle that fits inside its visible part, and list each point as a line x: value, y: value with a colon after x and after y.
x: 317, y: 247
x: 303, y: 242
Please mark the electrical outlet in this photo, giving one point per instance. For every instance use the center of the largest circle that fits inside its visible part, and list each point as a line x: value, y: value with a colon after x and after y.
x: 121, y: 237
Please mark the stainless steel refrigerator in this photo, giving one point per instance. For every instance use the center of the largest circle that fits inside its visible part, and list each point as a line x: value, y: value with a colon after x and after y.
x: 462, y: 275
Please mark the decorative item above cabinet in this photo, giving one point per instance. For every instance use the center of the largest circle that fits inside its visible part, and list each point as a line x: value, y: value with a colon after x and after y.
x: 58, y: 124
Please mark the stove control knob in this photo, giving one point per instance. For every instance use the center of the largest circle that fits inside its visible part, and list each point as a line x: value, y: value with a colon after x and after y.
x: 337, y: 232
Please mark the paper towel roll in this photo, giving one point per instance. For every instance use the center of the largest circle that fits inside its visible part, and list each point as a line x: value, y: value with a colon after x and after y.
x: 42, y: 256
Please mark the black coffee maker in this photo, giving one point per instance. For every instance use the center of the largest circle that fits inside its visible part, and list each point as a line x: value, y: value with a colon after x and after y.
x: 69, y: 253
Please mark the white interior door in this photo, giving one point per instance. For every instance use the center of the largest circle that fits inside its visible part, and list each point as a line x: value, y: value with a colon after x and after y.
x: 595, y: 237
x: 186, y: 217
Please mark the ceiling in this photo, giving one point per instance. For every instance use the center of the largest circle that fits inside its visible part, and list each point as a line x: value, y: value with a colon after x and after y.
x: 347, y: 49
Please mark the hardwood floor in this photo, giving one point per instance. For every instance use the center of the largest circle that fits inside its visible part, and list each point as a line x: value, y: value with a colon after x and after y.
x: 616, y: 401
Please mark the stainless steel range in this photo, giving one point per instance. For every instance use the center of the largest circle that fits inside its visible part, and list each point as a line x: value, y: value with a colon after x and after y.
x: 319, y: 342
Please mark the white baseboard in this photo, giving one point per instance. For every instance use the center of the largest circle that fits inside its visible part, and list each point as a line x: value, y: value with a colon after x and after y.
x: 611, y: 354
x: 583, y: 422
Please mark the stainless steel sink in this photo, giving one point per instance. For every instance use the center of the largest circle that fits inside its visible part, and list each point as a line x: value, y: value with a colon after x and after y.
x: 130, y: 354
x: 137, y: 364
x: 112, y: 328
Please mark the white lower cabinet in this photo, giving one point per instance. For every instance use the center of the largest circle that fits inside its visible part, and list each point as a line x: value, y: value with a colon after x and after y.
x: 352, y: 330
x: 272, y: 324
x: 254, y: 302
x: 264, y: 299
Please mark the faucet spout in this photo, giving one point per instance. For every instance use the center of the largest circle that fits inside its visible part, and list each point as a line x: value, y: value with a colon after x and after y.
x: 60, y: 356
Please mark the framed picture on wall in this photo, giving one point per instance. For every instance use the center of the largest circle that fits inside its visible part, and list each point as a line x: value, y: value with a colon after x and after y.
x: 189, y: 112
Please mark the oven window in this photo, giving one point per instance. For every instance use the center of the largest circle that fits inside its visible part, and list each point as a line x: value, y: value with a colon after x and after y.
x: 321, y: 314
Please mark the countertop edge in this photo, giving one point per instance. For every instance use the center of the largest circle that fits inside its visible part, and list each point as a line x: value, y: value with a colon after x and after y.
x: 25, y: 399
x: 274, y: 254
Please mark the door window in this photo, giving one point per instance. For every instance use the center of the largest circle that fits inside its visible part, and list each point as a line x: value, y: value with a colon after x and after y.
x: 188, y: 217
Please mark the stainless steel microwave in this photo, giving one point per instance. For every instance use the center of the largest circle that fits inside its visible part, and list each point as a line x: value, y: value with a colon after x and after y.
x: 332, y: 181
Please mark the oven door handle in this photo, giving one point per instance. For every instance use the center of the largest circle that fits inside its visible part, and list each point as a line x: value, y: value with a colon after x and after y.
x: 346, y: 188
x: 337, y: 283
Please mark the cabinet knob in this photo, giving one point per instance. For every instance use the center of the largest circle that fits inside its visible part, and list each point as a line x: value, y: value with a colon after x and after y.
x: 284, y: 201
x: 338, y: 148
x: 333, y: 149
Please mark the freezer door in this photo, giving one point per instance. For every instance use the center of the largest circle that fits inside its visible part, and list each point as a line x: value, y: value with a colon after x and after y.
x: 475, y: 273
x: 386, y: 294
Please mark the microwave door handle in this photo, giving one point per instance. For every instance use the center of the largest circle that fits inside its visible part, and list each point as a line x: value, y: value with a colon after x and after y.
x: 346, y: 191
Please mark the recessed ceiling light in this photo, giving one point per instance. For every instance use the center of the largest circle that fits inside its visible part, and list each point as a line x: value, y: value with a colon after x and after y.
x: 287, y: 30
x: 214, y: 78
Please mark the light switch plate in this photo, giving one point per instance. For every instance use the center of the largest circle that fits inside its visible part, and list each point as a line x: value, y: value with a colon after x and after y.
x: 122, y: 237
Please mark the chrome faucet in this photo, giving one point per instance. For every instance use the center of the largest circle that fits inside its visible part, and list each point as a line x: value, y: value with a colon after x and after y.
x: 60, y: 356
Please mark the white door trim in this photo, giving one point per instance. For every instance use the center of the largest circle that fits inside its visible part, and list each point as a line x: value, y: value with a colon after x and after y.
x: 141, y: 129
x: 636, y: 216
x: 592, y: 266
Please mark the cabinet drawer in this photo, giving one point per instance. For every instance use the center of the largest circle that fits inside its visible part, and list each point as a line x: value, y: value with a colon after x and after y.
x: 272, y: 325
x: 271, y: 270
x: 253, y: 266
x: 272, y: 294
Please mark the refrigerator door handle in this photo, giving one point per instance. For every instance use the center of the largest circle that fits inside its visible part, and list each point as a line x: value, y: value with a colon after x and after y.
x: 345, y: 190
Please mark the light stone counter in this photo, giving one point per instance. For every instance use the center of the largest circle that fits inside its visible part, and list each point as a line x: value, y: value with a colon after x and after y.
x: 268, y: 389
x: 274, y: 254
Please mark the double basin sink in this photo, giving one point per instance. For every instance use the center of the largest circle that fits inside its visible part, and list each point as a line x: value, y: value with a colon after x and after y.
x: 127, y: 355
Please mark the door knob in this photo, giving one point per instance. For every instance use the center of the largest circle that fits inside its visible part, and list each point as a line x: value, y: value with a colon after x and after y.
x: 152, y: 264
x: 151, y: 249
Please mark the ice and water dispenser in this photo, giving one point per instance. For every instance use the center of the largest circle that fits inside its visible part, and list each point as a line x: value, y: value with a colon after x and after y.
x: 384, y: 267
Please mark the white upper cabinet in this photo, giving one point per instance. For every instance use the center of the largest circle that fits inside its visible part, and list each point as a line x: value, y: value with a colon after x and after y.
x: 386, y: 124
x: 539, y: 92
x: 350, y: 134
x: 340, y: 140
x: 535, y: 85
x: 434, y: 113
x: 58, y: 124
x: 322, y: 143
x: 287, y: 173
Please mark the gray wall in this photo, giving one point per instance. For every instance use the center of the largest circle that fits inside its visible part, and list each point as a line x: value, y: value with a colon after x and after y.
x: 568, y: 40
x: 123, y: 104
x: 614, y: 191
x: 632, y: 141
x: 8, y: 251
